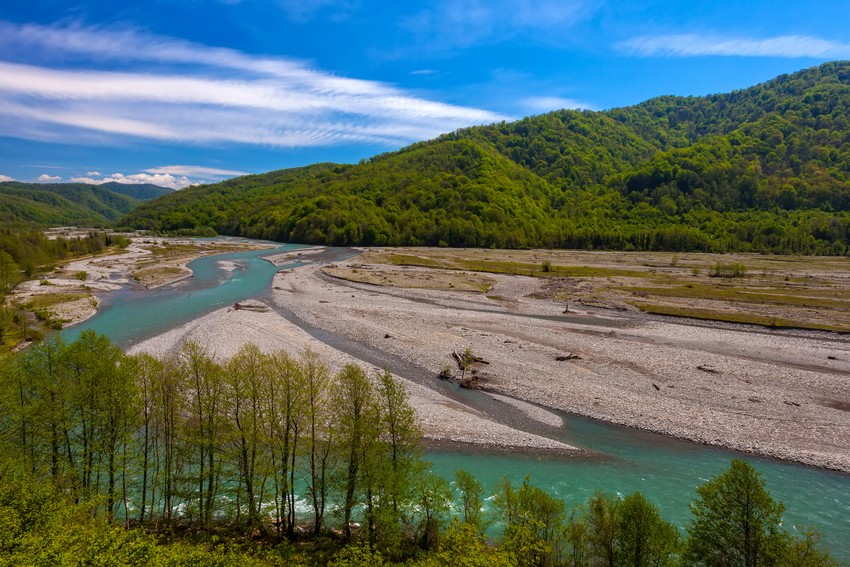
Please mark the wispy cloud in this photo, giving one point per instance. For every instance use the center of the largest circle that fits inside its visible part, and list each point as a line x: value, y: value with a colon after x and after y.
x: 6, y: 178
x: 196, y: 171
x: 548, y: 103
x: 124, y: 83
x: 693, y: 45
x: 45, y: 178
x: 461, y: 23
x: 161, y: 179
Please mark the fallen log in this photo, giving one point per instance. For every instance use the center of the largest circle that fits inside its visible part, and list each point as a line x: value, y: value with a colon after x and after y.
x: 568, y: 356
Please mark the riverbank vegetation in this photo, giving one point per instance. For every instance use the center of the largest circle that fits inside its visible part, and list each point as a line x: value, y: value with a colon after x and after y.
x: 24, y: 255
x: 764, y: 169
x: 268, y: 459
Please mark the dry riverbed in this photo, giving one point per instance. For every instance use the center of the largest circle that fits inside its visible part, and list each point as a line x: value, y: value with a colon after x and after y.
x: 774, y: 392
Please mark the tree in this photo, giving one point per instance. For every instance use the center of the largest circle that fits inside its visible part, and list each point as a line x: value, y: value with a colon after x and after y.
x: 471, y: 498
x: 319, y: 439
x: 533, y: 520
x: 643, y: 539
x: 245, y: 393
x: 735, y: 521
x: 201, y: 378
x: 394, y: 463
x: 355, y: 428
x: 602, y: 523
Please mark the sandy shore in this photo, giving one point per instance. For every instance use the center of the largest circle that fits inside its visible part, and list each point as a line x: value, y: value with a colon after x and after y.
x: 773, y: 393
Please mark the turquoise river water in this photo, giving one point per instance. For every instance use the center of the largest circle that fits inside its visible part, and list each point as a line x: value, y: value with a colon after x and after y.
x: 666, y: 470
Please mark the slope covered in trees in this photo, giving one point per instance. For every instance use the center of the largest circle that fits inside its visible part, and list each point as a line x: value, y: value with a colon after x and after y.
x: 761, y: 169
x: 70, y: 204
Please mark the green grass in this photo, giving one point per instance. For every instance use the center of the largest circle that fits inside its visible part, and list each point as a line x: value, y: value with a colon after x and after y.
x: 514, y: 268
x: 724, y: 316
x: 771, y: 297
x: 45, y: 300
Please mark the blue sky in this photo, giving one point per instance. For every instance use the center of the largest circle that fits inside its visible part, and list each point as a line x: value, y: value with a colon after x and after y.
x: 177, y: 92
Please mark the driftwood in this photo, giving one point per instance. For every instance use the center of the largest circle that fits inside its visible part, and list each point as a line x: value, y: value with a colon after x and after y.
x: 249, y: 307
x: 461, y: 363
x: 708, y: 369
x: 568, y: 356
x: 656, y: 387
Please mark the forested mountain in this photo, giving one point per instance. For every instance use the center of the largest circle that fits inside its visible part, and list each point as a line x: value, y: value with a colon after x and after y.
x: 765, y: 169
x: 63, y: 204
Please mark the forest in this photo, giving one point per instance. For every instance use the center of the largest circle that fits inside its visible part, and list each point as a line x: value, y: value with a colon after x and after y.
x: 764, y: 169
x: 40, y: 205
x: 270, y: 459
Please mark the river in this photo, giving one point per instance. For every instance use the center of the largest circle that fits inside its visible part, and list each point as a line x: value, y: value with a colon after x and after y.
x: 666, y: 470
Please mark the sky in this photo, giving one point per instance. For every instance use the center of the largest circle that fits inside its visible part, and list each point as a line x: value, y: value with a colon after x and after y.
x: 180, y: 92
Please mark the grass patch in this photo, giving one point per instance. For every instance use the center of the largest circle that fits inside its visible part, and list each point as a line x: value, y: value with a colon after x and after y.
x: 543, y: 269
x: 728, y: 317
x: 772, y: 297
x: 46, y: 300
x: 443, y: 280
x: 410, y: 260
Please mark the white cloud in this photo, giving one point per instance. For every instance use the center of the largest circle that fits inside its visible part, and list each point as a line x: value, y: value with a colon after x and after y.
x: 161, y: 179
x: 462, y: 23
x: 44, y: 178
x: 196, y: 171
x: 190, y: 93
x: 94, y: 174
x: 6, y: 178
x: 693, y: 45
x: 548, y: 103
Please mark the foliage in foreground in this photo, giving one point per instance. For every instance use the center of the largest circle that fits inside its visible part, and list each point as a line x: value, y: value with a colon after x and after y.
x: 205, y: 460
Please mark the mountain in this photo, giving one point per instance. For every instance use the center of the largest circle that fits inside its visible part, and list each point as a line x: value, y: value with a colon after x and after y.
x: 64, y: 204
x: 761, y: 169
x: 138, y: 191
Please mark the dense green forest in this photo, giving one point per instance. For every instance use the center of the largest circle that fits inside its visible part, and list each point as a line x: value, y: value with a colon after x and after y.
x: 268, y: 459
x: 762, y: 169
x: 34, y: 205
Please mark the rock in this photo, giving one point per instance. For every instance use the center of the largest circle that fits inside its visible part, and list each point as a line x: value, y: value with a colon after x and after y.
x: 387, y: 336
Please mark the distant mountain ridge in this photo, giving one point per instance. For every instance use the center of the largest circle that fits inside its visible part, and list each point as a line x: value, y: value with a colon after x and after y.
x: 78, y: 204
x: 765, y: 168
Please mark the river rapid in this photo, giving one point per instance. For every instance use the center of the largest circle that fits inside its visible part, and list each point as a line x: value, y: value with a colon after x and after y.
x: 623, y: 460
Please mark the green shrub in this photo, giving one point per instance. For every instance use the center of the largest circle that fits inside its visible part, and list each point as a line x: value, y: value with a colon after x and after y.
x: 728, y: 270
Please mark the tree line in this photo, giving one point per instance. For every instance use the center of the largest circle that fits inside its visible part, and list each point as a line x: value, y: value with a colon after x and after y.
x: 270, y: 459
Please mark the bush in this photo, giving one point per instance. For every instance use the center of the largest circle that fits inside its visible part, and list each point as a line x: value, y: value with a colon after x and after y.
x: 728, y: 270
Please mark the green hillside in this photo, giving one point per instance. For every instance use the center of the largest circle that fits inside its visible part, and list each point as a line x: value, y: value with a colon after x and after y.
x: 77, y: 204
x: 763, y: 169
